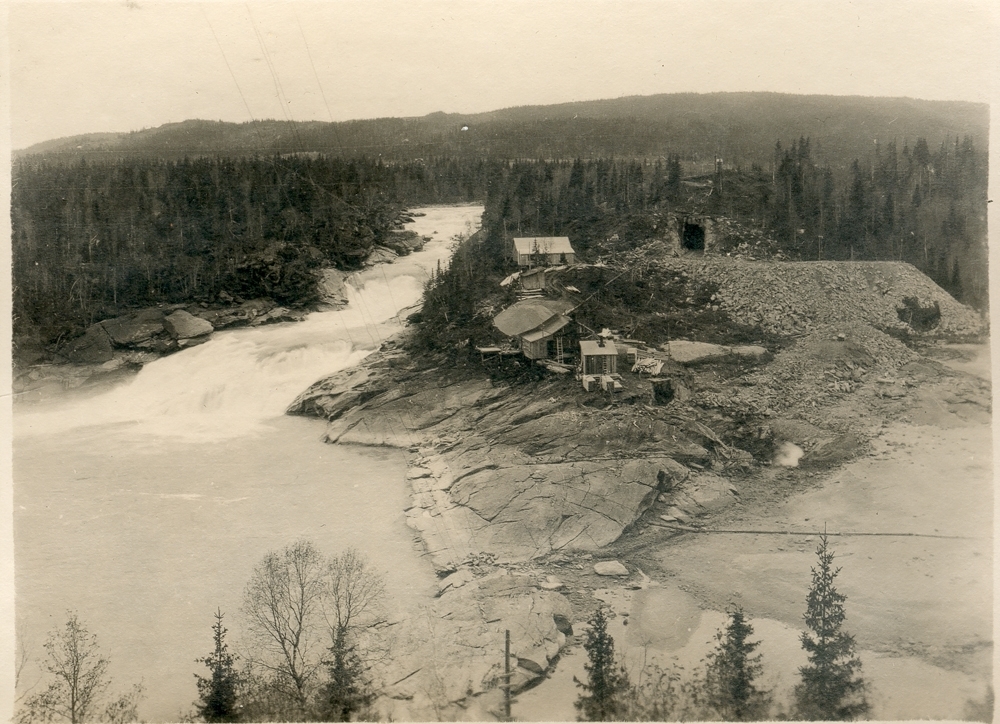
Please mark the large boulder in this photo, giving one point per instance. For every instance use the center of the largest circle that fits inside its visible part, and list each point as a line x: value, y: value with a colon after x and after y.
x: 93, y: 347
x: 332, y: 289
x: 278, y: 314
x: 381, y: 255
x: 134, y: 328
x: 750, y: 351
x: 239, y: 316
x: 183, y: 325
x: 610, y: 568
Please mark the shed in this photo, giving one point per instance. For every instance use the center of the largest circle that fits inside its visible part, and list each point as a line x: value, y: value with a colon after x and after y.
x: 529, y: 314
x: 544, y: 342
x: 541, y: 250
x: 537, y: 323
x: 597, y: 358
x: 533, y: 280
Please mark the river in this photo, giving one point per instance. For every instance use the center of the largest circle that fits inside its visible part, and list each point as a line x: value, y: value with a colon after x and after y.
x: 144, y: 507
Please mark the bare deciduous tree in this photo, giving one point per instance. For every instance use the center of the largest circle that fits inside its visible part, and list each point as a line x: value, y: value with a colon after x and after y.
x: 306, y: 612
x: 354, y: 617
x: 354, y: 595
x: 79, y: 682
x: 283, y: 604
x: 21, y: 658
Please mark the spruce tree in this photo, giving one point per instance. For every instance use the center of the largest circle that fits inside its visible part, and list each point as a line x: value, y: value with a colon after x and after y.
x: 831, y: 687
x: 732, y: 670
x: 347, y: 691
x: 218, y: 692
x: 607, y: 682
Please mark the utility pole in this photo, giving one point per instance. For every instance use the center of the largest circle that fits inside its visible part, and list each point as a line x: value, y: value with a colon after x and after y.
x: 506, y: 675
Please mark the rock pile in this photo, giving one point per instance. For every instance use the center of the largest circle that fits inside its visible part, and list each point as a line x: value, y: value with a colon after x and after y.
x: 830, y: 360
x: 161, y: 330
x: 123, y: 344
x: 796, y: 297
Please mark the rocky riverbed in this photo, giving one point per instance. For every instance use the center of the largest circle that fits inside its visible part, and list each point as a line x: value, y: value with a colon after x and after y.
x: 120, y: 346
x: 532, y: 479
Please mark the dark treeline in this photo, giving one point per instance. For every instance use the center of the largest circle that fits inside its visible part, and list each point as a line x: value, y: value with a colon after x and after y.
x: 924, y: 207
x: 911, y: 204
x: 915, y: 205
x: 93, y: 239
x: 90, y: 240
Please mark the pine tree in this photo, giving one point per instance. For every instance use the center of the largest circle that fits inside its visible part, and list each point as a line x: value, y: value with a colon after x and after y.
x: 831, y: 686
x: 218, y: 692
x: 732, y: 670
x: 347, y: 691
x: 607, y: 681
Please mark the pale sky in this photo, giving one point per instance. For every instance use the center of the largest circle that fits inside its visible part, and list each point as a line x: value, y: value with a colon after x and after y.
x: 120, y: 65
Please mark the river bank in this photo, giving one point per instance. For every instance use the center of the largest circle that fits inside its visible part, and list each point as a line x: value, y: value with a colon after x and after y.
x: 488, y: 501
x: 115, y: 348
x: 542, y: 479
x: 144, y: 503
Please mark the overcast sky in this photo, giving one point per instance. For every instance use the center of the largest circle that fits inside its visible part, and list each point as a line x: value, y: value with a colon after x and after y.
x: 120, y: 65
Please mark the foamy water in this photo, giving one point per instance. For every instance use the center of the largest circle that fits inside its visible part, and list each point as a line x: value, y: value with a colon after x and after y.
x: 146, y: 506
x: 240, y: 379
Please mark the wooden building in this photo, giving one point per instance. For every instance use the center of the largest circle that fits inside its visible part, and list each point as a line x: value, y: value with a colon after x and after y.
x: 598, y: 357
x: 542, y: 250
x: 539, y: 325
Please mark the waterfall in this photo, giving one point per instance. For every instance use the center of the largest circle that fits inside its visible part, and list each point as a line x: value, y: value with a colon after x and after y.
x: 239, y: 379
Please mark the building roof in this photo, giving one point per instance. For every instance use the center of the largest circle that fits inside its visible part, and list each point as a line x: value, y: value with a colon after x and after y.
x: 590, y: 348
x: 543, y: 245
x: 548, y: 329
x: 529, y: 314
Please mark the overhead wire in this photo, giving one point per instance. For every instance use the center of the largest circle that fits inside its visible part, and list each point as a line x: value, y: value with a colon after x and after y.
x: 371, y: 324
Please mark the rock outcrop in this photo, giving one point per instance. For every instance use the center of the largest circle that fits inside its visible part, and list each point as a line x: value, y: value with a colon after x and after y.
x: 93, y: 347
x: 381, y: 255
x: 130, y: 330
x: 183, y: 325
x: 466, y: 624
x: 332, y: 290
x: 122, y: 345
x: 506, y: 472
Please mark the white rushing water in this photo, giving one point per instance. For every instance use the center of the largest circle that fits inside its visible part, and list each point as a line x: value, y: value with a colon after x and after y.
x: 144, y: 507
x: 245, y: 377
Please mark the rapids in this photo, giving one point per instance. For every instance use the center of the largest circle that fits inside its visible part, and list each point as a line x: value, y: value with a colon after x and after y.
x: 144, y: 507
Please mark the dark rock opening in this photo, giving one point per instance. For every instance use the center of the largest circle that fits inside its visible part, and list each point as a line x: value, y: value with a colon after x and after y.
x: 694, y: 237
x: 663, y: 391
x: 920, y: 318
x: 563, y: 624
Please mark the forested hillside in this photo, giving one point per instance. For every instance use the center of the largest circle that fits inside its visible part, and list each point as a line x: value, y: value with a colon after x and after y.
x: 740, y: 127
x: 93, y: 239
x: 109, y: 222
x: 905, y: 204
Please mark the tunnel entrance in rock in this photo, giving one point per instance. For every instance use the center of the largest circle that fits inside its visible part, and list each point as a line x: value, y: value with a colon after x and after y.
x: 693, y: 237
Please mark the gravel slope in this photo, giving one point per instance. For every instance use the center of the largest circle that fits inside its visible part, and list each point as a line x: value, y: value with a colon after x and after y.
x: 794, y: 297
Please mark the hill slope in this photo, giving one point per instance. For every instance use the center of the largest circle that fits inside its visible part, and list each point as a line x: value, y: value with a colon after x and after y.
x: 741, y: 127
